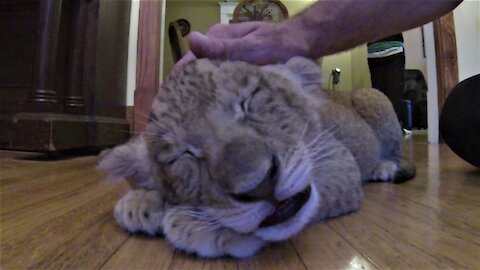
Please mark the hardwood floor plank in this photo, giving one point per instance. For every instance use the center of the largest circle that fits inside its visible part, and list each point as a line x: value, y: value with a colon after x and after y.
x: 274, y: 256
x: 27, y: 170
x: 320, y: 247
x: 448, y: 218
x: 431, y: 236
x: 88, y: 250
x: 141, y: 253
x: 385, y: 250
x: 464, y: 206
x: 33, y: 234
x: 33, y: 243
x: 95, y: 197
x: 185, y: 261
x: 448, y: 185
x: 59, y: 186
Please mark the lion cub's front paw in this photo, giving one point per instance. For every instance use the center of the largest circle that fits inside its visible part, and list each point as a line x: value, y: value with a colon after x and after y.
x: 192, y: 231
x: 140, y: 211
x: 242, y: 246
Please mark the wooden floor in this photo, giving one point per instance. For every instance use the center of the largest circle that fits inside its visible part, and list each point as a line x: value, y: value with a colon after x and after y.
x: 59, y: 215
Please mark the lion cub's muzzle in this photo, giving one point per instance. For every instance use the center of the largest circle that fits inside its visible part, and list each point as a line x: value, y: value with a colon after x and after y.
x: 249, y: 171
x: 246, y: 169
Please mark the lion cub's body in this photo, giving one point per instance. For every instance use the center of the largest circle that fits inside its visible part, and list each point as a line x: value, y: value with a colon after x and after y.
x: 238, y: 155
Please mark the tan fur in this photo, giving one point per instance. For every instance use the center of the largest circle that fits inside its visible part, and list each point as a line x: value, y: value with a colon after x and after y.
x: 229, y: 141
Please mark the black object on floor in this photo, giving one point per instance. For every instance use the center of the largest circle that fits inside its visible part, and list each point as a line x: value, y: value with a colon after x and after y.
x: 460, y: 120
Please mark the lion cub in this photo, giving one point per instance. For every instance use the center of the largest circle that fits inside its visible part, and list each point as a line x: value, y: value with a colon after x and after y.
x: 237, y: 155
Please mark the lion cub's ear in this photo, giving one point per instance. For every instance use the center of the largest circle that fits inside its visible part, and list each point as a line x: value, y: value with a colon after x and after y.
x: 307, y: 72
x: 129, y: 160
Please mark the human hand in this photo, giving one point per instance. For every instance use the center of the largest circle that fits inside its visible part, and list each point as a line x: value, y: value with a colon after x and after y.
x: 254, y: 42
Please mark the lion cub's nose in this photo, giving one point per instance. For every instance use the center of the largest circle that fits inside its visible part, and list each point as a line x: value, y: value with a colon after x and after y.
x: 246, y: 169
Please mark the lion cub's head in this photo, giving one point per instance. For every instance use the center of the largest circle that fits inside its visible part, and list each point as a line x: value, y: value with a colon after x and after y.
x: 231, y: 139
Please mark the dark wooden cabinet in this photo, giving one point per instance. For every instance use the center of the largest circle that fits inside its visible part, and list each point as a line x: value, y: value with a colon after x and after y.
x: 63, y: 76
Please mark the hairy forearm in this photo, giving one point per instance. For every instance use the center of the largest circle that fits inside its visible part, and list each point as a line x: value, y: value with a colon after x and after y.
x: 330, y: 26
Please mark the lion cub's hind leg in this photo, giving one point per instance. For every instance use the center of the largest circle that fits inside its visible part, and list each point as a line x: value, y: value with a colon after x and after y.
x: 385, y: 171
x: 140, y: 211
x: 375, y: 108
x: 398, y: 172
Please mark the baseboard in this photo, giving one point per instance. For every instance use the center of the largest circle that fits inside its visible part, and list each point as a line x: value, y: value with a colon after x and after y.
x: 47, y: 132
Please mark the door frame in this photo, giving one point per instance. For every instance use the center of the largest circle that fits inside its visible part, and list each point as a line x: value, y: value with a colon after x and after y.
x: 151, y: 20
x: 442, y: 69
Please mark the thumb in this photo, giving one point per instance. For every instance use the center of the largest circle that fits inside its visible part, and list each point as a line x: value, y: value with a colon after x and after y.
x: 208, y: 47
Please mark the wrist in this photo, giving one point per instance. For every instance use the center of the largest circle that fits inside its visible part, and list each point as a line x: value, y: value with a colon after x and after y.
x: 300, y: 38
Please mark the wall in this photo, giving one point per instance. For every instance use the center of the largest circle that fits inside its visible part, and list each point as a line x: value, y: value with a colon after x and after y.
x: 343, y: 61
x: 414, y: 57
x: 360, y: 71
x: 296, y: 6
x: 467, y: 31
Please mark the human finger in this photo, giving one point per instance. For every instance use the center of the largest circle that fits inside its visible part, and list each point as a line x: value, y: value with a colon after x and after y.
x: 249, y: 49
x: 207, y: 46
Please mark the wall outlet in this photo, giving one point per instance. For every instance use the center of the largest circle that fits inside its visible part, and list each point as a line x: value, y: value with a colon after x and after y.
x: 335, y: 75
